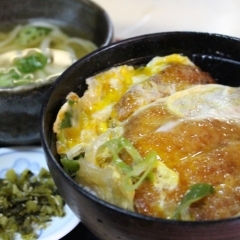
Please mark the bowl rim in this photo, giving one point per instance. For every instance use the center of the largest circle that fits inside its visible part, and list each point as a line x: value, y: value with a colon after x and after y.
x: 50, y: 156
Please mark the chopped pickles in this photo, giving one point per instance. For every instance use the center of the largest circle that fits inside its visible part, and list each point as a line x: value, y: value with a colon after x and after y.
x: 27, y: 203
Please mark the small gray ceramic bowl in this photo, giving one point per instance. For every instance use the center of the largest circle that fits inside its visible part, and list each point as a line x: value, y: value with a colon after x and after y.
x: 219, y: 55
x: 20, y: 107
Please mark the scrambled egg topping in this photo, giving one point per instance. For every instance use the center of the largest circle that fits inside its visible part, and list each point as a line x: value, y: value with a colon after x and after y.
x: 114, y: 131
x: 93, y: 114
x: 84, y: 123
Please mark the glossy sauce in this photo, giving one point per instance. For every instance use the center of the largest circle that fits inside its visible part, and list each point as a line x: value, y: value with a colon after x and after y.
x: 200, y: 151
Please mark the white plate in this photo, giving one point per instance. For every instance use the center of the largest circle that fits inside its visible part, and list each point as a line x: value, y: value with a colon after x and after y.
x: 20, y: 158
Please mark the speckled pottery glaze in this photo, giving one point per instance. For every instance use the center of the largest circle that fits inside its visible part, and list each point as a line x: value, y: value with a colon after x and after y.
x: 217, y: 54
x: 19, y: 114
x: 20, y: 107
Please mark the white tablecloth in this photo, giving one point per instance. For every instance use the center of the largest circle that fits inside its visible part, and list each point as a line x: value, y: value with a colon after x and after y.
x: 136, y: 17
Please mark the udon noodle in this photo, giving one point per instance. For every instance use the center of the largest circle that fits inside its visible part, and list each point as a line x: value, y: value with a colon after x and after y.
x: 36, y: 52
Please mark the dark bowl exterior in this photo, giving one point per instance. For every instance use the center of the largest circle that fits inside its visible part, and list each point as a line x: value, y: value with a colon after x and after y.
x: 19, y: 115
x: 20, y: 111
x: 217, y: 54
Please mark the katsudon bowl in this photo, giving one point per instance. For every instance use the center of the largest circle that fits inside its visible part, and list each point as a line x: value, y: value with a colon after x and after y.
x: 87, y: 27
x: 216, y: 54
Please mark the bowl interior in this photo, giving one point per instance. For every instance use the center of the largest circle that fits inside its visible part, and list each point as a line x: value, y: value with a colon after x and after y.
x: 219, y: 55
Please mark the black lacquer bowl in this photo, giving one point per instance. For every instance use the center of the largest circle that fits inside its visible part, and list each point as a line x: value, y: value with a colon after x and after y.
x: 20, y: 108
x: 219, y: 55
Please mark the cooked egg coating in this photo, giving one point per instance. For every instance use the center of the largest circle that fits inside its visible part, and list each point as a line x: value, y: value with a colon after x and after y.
x: 95, y: 111
x: 169, y: 107
x: 172, y: 78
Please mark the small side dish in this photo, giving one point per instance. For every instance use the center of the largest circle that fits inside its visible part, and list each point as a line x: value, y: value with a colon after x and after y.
x: 161, y: 140
x: 31, y: 207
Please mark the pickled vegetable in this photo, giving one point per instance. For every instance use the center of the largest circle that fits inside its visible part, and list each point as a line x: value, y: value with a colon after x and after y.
x: 27, y: 203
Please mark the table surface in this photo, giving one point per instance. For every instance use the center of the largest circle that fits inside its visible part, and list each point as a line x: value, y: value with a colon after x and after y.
x: 80, y: 232
x: 131, y: 18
